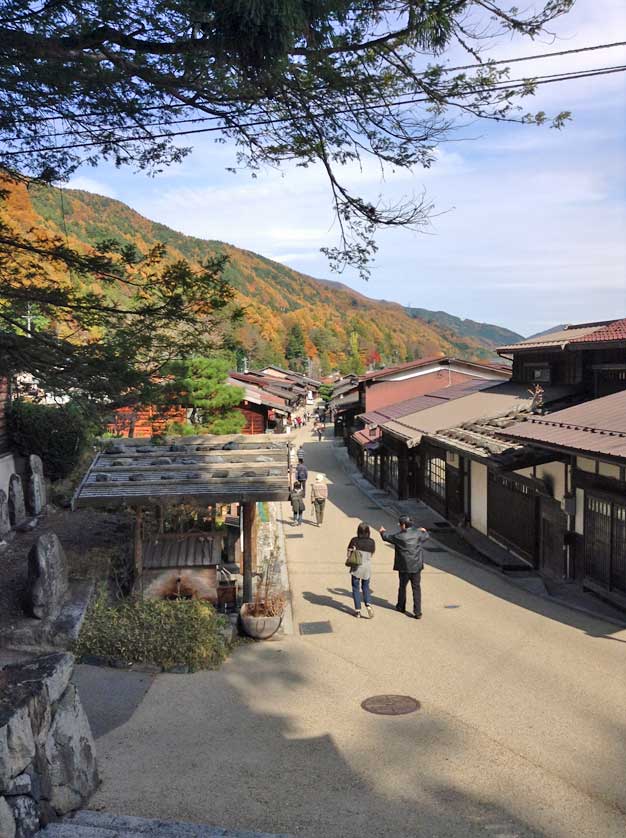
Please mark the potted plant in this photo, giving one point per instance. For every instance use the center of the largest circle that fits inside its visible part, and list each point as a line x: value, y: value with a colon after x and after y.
x: 262, y: 617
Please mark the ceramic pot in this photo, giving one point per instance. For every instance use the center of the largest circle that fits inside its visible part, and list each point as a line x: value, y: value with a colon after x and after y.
x: 260, y: 628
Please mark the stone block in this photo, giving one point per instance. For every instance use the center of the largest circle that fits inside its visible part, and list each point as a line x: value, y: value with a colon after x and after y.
x: 22, y: 784
x: 17, y: 508
x: 37, y: 497
x: 47, y: 577
x: 17, y: 745
x: 70, y: 754
x: 5, y: 523
x: 7, y: 821
x: 26, y: 816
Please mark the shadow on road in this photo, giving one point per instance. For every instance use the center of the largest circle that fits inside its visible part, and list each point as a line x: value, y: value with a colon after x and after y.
x: 347, y: 498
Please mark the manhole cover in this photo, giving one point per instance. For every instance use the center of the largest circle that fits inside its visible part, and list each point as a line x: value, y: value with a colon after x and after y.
x: 295, y: 535
x: 390, y: 705
x: 323, y: 627
x: 451, y: 606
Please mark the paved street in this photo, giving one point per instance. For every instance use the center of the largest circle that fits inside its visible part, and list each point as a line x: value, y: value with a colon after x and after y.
x: 521, y: 730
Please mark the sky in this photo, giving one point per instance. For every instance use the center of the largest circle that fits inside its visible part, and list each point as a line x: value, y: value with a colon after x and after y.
x: 529, y: 225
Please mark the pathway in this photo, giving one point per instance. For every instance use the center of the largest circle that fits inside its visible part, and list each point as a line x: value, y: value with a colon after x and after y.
x: 521, y: 731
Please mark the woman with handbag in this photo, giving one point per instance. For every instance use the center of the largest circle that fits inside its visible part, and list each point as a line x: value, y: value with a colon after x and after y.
x: 360, y: 551
x: 296, y: 496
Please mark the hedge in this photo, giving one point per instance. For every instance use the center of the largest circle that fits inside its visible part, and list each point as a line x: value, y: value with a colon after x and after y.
x: 59, y: 434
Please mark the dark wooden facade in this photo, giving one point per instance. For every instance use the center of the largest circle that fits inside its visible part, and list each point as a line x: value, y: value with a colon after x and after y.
x: 598, y: 372
x: 599, y: 552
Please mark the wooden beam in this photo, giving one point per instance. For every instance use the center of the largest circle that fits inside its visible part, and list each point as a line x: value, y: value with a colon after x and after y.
x: 249, y: 548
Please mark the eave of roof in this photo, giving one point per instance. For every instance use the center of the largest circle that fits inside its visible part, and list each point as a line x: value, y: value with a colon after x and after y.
x: 595, y: 427
x: 574, y: 337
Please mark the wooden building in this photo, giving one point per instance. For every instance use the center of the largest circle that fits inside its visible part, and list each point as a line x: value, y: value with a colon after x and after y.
x: 379, y: 389
x: 587, y: 444
x: 588, y: 356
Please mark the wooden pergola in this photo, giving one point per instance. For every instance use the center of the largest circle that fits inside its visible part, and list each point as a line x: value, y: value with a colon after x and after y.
x: 201, y: 471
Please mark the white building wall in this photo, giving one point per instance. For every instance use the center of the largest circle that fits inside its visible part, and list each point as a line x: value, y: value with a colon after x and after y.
x: 478, y: 476
x: 555, y: 473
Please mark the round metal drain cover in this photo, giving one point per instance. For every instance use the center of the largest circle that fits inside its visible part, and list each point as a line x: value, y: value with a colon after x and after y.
x: 390, y: 705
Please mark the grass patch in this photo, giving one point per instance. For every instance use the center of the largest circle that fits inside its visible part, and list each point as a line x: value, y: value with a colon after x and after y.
x: 160, y: 632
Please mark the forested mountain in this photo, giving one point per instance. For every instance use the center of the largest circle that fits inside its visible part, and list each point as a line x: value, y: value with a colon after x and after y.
x: 485, y: 333
x: 341, y: 327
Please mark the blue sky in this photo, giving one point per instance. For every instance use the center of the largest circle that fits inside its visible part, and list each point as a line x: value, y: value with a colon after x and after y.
x: 530, y: 225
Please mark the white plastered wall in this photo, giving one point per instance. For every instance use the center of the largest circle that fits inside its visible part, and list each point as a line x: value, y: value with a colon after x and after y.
x: 479, y: 497
x: 555, y: 473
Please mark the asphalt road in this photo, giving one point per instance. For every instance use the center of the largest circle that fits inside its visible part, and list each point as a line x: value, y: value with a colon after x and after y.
x: 521, y: 729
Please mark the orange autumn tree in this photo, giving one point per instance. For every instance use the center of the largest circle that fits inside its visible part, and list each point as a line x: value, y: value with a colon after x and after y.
x: 104, y: 322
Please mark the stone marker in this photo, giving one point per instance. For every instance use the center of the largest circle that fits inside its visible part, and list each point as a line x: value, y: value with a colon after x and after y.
x: 5, y: 523
x: 17, y: 510
x: 37, y: 499
x: 47, y: 577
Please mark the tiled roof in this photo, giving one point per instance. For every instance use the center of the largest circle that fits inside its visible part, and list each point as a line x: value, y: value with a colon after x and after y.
x: 597, y: 427
x: 603, y: 332
x: 614, y: 331
x: 481, y: 438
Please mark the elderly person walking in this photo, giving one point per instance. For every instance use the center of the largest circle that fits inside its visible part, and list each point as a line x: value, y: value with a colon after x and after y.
x: 319, y: 496
x: 361, y: 548
x: 408, y: 561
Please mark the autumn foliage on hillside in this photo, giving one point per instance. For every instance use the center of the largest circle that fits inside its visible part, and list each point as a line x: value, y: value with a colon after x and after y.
x: 340, y: 327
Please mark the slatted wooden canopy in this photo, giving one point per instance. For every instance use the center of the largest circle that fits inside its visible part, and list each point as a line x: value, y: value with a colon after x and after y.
x: 199, y: 470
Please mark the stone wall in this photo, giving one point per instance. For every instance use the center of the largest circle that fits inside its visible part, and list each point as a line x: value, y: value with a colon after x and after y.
x: 47, y: 753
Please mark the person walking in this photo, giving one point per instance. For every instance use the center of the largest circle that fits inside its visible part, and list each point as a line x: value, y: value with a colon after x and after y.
x: 319, y: 496
x: 408, y: 561
x: 302, y: 474
x: 296, y: 496
x: 361, y: 573
x: 319, y: 430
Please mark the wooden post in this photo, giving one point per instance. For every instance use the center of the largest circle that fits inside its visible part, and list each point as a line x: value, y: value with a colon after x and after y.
x: 138, y: 549
x: 249, y: 548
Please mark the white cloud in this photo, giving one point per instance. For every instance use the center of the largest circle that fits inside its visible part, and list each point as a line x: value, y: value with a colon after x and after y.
x: 88, y: 184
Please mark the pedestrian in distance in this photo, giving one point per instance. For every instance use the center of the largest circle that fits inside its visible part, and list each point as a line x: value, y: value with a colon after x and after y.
x: 301, y: 453
x: 296, y: 496
x: 408, y: 561
x: 319, y: 496
x: 302, y: 474
x: 319, y: 430
x: 359, y: 559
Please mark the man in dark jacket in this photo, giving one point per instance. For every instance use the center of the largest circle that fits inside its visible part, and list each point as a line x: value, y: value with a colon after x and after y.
x: 302, y: 473
x: 408, y: 561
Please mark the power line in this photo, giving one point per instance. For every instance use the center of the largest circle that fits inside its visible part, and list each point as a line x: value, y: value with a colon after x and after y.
x: 502, y: 85
x: 514, y: 85
x: 475, y: 66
